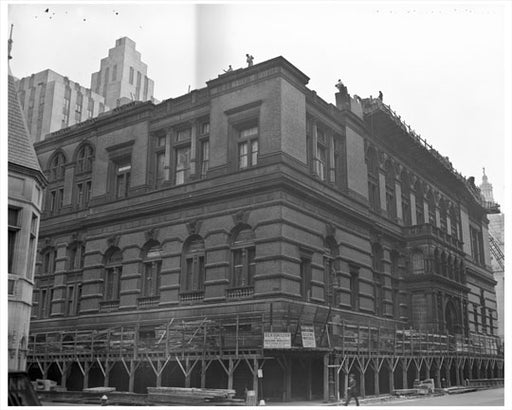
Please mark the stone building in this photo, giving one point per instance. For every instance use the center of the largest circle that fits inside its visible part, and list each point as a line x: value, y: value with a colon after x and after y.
x: 122, y: 76
x: 250, y: 225
x: 26, y: 184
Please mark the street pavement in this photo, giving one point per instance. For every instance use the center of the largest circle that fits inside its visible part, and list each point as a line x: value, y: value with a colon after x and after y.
x: 491, y: 397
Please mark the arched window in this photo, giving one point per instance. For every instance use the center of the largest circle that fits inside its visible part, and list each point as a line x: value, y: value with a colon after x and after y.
x: 56, y: 167
x: 76, y: 251
x: 113, y: 271
x: 406, y: 198
x: 192, y: 265
x: 151, y: 266
x: 431, y: 209
x: 330, y: 268
x: 418, y: 262
x: 243, y: 253
x: 420, y: 212
x: 390, y: 190
x: 372, y: 163
x: 84, y: 159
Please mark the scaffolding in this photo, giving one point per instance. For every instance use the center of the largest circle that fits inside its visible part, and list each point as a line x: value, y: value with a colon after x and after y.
x: 195, y: 343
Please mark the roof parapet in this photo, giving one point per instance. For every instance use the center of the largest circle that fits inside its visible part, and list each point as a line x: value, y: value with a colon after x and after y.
x: 372, y: 105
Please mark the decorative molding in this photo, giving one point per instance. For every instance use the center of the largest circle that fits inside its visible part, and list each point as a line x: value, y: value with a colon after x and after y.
x: 151, y: 234
x: 330, y: 230
x: 113, y: 240
x: 194, y: 226
x: 241, y: 217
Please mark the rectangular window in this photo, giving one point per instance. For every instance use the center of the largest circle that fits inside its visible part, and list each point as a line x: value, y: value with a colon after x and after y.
x: 248, y: 147
x: 60, y: 198
x: 354, y: 287
x: 78, y: 107
x: 70, y: 298
x: 112, y: 283
x: 475, y: 316
x: 42, y: 302
x: 205, y: 128
x: 145, y: 93
x: 123, y: 179
x: 14, y: 228
x: 160, y: 167
x: 305, y: 276
x: 131, y: 75
x: 238, y: 267
x: 190, y: 273
x: 137, y: 89
x: 90, y: 108
x: 205, y: 156
x: 114, y: 73
x: 32, y: 246
x: 151, y: 275
x: 182, y: 165
x: 87, y: 193
x: 78, y: 298
x: 321, y: 160
x: 243, y: 155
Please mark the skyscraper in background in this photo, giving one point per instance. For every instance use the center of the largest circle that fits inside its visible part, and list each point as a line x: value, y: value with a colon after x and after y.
x: 122, y: 76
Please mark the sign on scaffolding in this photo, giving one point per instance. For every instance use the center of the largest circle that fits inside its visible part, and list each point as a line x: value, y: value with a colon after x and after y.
x: 277, y: 340
x: 308, y: 336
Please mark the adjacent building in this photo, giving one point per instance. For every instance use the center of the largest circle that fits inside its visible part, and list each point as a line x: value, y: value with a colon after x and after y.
x: 251, y: 227
x: 26, y: 185
x: 122, y: 76
x: 497, y: 244
x: 51, y: 101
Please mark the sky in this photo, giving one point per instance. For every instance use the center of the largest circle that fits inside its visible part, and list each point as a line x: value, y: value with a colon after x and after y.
x: 444, y: 67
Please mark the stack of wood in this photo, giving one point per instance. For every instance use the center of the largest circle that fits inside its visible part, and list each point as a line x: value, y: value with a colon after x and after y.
x: 190, y: 396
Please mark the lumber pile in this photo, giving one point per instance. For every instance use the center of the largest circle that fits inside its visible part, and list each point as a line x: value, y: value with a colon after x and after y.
x: 189, y: 396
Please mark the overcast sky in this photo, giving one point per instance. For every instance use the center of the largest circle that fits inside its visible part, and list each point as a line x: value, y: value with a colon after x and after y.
x: 444, y: 67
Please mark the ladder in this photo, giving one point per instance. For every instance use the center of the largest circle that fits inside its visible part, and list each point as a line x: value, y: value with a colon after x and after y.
x: 496, y: 251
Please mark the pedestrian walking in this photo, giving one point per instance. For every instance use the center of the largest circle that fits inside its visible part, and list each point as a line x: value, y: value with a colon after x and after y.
x: 352, y: 390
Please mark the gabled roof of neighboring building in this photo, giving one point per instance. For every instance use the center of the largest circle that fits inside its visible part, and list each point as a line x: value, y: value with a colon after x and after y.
x: 21, y: 148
